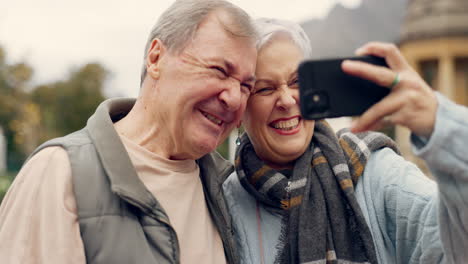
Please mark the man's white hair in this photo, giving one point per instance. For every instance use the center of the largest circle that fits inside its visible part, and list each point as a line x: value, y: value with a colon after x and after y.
x: 268, y: 28
x: 177, y: 26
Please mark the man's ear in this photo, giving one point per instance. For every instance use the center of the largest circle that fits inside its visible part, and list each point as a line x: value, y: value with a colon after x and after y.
x: 153, y: 59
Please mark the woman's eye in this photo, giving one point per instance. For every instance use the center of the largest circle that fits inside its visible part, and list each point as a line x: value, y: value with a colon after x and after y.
x: 294, y: 83
x: 265, y: 90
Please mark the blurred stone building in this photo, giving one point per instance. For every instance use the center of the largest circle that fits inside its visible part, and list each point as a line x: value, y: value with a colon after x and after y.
x: 434, y: 39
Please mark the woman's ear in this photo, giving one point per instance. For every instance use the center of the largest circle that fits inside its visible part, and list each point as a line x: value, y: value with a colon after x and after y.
x: 153, y: 59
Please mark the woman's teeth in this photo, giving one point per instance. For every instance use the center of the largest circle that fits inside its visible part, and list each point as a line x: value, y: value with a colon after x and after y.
x: 286, y: 124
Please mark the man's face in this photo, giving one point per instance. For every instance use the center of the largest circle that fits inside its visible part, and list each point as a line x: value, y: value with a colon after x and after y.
x: 202, y: 92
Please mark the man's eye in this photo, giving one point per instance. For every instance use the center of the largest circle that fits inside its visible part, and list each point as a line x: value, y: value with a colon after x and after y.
x: 247, y: 85
x: 221, y: 70
x: 246, y: 88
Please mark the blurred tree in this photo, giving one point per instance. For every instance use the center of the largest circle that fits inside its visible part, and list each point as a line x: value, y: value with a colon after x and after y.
x: 45, y: 96
x: 79, y: 97
x: 31, y: 116
x: 5, y: 181
x: 13, y: 96
x: 66, y: 105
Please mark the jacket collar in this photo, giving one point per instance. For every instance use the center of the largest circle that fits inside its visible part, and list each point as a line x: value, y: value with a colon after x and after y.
x: 114, y: 157
x: 122, y: 175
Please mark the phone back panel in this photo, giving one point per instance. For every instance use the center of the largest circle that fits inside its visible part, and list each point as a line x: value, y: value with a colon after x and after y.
x: 326, y: 91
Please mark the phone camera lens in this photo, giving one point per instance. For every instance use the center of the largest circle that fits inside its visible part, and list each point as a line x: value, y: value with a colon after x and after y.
x: 319, y: 102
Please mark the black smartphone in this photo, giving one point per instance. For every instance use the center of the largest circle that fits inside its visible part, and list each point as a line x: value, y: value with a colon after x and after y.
x: 326, y: 91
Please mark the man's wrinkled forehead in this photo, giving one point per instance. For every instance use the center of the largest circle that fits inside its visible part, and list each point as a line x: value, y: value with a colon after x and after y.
x: 223, y: 20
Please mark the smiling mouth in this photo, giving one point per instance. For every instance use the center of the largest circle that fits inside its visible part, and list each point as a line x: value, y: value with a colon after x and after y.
x: 212, y: 118
x: 285, y: 125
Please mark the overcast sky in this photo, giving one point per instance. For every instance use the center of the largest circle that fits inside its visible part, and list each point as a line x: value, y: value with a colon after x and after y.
x: 53, y: 36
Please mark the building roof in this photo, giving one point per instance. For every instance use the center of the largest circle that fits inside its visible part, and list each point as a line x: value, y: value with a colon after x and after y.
x: 435, y: 18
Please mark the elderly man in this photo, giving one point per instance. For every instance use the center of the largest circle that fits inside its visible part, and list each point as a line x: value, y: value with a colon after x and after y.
x: 137, y: 184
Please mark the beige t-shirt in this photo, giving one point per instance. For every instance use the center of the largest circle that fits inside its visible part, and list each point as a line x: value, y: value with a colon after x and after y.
x: 38, y: 216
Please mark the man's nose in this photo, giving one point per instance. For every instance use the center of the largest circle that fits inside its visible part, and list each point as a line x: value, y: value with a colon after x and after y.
x: 231, y: 95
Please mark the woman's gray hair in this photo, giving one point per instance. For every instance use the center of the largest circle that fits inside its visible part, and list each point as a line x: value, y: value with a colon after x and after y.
x: 177, y: 26
x: 268, y: 28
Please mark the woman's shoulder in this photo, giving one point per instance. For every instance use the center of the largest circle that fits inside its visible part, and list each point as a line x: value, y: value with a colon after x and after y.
x: 232, y: 184
x: 235, y: 194
x: 388, y: 170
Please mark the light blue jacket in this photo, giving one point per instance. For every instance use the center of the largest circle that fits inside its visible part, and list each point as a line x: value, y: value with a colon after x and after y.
x: 412, y: 218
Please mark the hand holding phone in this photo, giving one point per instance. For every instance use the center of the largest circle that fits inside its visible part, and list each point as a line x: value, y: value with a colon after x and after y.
x: 326, y: 91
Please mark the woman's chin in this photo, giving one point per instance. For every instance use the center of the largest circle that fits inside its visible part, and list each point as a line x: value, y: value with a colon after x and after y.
x: 282, y: 159
x: 291, y: 150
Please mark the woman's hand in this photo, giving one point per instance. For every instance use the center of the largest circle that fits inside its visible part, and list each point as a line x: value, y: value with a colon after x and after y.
x: 411, y: 103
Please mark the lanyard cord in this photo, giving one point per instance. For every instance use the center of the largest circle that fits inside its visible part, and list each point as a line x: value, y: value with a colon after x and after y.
x: 260, y: 240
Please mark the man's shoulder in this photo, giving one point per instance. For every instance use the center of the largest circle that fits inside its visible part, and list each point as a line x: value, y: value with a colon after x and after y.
x: 214, y: 161
x: 50, y: 155
x: 57, y: 149
x: 76, y: 138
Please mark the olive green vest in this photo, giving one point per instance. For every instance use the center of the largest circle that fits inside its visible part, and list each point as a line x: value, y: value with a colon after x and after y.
x: 120, y: 220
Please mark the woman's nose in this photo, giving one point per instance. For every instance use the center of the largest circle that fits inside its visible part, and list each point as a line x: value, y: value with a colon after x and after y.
x: 287, y: 99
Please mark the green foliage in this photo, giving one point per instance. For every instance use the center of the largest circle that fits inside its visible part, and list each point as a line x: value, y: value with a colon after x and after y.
x: 5, y: 181
x: 80, y: 96
x: 13, y: 81
x: 31, y: 115
x: 66, y: 105
x: 223, y: 149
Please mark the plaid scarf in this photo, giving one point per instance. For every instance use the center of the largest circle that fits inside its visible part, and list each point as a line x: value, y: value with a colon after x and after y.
x: 322, y: 221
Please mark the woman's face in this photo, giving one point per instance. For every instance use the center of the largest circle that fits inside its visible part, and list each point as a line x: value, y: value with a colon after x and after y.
x: 272, y: 118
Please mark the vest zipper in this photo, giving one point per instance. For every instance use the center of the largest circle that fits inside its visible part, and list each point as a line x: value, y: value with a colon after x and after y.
x: 150, y: 213
x: 220, y: 216
x: 225, y: 235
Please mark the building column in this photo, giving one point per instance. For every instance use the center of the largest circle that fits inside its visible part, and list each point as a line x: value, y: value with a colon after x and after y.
x: 446, y: 76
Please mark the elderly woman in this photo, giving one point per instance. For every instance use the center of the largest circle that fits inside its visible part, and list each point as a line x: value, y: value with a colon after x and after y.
x: 300, y: 194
